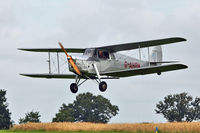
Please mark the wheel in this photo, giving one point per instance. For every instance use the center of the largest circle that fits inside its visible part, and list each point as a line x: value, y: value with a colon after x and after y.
x: 74, y: 88
x: 159, y: 73
x: 102, y: 86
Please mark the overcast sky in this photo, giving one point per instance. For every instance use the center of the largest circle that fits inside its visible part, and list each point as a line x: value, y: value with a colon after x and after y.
x: 93, y: 23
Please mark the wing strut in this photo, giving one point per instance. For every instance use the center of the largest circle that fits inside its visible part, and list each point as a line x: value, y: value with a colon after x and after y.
x: 149, y: 57
x: 49, y: 61
x: 97, y: 72
x: 58, y: 62
x: 139, y: 52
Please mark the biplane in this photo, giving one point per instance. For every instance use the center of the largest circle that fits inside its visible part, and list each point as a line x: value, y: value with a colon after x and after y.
x: 106, y: 62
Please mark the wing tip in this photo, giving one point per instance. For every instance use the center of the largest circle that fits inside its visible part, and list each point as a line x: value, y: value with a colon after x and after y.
x: 180, y: 39
x: 185, y: 66
x: 26, y: 75
x: 182, y: 66
x: 27, y: 49
x: 21, y: 49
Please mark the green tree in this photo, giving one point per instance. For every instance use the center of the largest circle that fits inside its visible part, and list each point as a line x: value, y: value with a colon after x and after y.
x: 87, y: 108
x: 30, y: 117
x: 65, y: 114
x: 179, y: 107
x: 5, y: 119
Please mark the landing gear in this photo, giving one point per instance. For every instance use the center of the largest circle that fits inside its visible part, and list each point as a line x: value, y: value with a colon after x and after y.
x: 74, y: 88
x: 102, y: 86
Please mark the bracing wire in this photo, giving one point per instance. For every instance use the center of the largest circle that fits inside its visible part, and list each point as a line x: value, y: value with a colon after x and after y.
x: 55, y: 67
x: 133, y: 53
x: 124, y: 54
x: 54, y: 64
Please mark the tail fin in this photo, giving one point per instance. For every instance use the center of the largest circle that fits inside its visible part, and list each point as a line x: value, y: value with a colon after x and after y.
x: 156, y: 55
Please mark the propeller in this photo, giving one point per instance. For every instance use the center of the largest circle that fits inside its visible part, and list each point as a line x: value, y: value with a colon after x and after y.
x: 69, y: 58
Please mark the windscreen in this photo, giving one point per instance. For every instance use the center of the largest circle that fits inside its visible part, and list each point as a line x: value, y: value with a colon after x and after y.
x: 89, y: 52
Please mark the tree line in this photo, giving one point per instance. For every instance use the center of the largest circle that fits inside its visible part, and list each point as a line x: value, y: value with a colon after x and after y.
x: 85, y: 108
x: 90, y: 108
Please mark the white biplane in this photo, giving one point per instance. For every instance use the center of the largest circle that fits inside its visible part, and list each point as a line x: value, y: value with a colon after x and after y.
x: 99, y: 63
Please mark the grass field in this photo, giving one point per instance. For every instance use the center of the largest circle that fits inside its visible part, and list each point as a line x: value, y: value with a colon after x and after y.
x: 59, y: 132
x: 55, y: 132
x: 182, y: 127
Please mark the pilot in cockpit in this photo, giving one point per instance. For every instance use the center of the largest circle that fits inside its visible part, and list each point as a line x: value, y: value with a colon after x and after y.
x: 100, y: 53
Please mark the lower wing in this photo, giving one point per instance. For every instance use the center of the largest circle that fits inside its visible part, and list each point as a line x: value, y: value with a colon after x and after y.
x: 49, y: 76
x: 145, y: 70
x: 116, y: 74
x: 63, y: 76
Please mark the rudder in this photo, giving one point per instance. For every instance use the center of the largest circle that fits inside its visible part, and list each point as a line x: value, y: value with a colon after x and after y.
x: 156, y: 55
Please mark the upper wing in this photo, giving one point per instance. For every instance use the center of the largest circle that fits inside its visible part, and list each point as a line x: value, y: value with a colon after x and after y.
x: 63, y: 76
x: 146, y: 70
x: 136, y: 45
x: 112, y: 48
x: 70, y: 50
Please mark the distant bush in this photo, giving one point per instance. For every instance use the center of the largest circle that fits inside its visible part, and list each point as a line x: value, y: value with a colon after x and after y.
x: 30, y: 117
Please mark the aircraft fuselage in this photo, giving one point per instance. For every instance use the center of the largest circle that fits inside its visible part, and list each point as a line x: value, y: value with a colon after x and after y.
x: 115, y: 62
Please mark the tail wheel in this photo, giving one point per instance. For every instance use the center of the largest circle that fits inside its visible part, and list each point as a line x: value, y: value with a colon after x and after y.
x: 74, y: 88
x: 102, y: 86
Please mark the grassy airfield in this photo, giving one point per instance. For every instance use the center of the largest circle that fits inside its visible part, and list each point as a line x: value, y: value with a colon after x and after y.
x: 57, y: 132
x: 71, y: 132
x: 181, y: 127
x: 64, y: 132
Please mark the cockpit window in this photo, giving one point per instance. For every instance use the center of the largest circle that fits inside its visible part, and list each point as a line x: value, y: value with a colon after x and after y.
x: 112, y: 56
x: 89, y: 52
x: 103, y: 54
